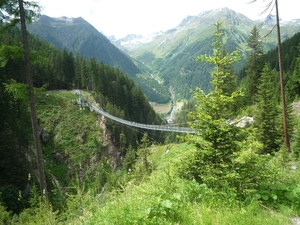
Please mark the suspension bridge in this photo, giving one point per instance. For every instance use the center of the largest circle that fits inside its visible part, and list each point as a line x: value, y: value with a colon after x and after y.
x: 144, y: 126
x: 168, y: 128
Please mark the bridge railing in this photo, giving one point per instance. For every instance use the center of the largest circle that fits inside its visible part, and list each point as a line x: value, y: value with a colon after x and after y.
x: 83, y: 103
x: 144, y: 126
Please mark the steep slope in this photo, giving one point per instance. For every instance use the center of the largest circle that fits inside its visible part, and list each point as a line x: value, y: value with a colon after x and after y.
x: 171, y: 54
x: 192, y: 29
x: 78, y: 36
x: 73, y: 140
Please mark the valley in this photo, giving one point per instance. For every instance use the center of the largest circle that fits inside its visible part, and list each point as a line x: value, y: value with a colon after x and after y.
x: 165, y: 109
x: 147, y: 130
x: 171, y: 54
x: 167, y: 56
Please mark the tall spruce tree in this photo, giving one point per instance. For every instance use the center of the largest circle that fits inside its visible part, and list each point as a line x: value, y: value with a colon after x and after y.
x: 144, y: 152
x: 267, y: 114
x: 270, y: 6
x: 33, y: 116
x: 296, y: 143
x: 294, y: 80
x: 215, y: 138
x: 254, y: 64
x: 16, y: 12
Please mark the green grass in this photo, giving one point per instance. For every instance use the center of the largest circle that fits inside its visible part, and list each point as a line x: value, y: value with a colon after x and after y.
x: 74, y: 133
x: 161, y: 197
x: 164, y: 198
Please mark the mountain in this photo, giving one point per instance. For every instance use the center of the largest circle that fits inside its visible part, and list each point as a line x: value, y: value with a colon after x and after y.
x: 171, y: 54
x: 78, y: 36
x: 165, y: 60
x: 270, y: 19
x: 193, y: 29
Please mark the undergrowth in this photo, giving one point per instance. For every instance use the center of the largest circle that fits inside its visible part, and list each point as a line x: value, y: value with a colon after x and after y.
x: 159, y: 194
x: 161, y: 198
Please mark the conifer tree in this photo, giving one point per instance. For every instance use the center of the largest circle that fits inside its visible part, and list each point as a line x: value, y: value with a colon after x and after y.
x: 33, y: 115
x: 294, y: 79
x: 129, y: 159
x: 144, y: 151
x: 15, y: 12
x: 296, y: 143
x: 267, y: 114
x: 274, y: 4
x: 215, y: 138
x: 254, y: 64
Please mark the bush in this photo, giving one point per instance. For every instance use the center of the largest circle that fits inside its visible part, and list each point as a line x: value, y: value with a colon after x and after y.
x: 4, y: 215
x: 39, y: 212
x: 11, y: 198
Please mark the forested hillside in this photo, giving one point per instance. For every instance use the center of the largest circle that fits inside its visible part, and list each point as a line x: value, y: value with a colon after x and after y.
x: 171, y: 54
x: 290, y: 55
x: 61, y: 70
x: 79, y: 37
x: 100, y: 172
x: 168, y: 56
x: 290, y: 64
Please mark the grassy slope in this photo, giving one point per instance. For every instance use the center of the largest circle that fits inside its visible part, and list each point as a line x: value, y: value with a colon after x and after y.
x: 75, y: 142
x: 161, y: 198
x: 164, y: 198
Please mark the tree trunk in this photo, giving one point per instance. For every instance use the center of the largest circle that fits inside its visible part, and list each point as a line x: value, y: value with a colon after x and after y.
x: 33, y: 116
x: 285, y: 131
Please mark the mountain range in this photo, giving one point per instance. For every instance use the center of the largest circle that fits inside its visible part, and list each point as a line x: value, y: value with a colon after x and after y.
x: 78, y: 36
x: 171, y: 54
x: 167, y: 56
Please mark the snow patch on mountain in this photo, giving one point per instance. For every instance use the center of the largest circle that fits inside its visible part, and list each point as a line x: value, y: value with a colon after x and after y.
x: 133, y: 40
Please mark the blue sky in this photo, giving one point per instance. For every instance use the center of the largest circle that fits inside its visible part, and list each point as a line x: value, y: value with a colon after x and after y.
x: 122, y: 17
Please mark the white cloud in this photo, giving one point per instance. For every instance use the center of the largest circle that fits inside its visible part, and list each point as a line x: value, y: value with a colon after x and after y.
x: 121, y: 17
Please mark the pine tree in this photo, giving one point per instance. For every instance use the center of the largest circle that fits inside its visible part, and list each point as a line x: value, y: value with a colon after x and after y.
x: 144, y: 151
x: 254, y: 64
x: 16, y: 12
x: 293, y: 84
x: 274, y: 4
x: 267, y: 114
x: 215, y: 138
x: 129, y: 159
x: 296, y: 143
x: 77, y: 71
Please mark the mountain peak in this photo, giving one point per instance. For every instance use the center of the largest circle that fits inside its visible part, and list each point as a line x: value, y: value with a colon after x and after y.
x: 131, y: 37
x: 215, y: 12
x: 270, y: 19
x: 58, y: 21
x: 224, y: 14
x: 186, y: 20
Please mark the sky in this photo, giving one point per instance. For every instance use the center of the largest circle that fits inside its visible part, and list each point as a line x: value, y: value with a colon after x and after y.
x: 122, y: 17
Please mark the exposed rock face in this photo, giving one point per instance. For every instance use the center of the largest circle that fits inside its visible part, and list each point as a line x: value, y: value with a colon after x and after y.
x: 58, y: 157
x: 110, y: 151
x: 44, y: 135
x: 244, y: 121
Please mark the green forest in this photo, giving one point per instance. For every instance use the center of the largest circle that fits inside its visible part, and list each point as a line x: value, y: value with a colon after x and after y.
x: 61, y: 163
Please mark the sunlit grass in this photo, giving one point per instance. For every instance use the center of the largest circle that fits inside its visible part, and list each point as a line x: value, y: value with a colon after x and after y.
x: 164, y: 198
x: 159, y: 197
